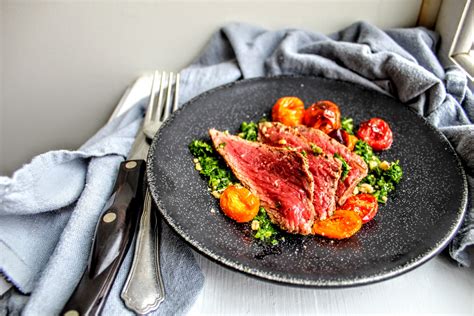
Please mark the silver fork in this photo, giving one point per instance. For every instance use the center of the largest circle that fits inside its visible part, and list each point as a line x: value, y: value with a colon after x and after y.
x: 143, y: 291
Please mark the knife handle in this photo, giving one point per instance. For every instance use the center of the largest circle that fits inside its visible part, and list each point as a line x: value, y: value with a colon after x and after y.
x: 143, y: 291
x: 112, y: 238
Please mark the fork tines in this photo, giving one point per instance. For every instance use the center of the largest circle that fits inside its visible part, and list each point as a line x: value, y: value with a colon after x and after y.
x: 163, y: 108
x: 159, y: 110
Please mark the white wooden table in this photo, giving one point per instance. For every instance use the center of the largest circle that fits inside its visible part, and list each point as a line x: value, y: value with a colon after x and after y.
x: 437, y: 287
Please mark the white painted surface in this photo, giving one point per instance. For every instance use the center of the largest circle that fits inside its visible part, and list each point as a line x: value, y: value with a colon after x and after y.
x: 438, y: 287
x: 66, y: 63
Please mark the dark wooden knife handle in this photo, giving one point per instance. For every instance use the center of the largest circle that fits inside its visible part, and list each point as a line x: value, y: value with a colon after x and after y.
x: 113, y: 235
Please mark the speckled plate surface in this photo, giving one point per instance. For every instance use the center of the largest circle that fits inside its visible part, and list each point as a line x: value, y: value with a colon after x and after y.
x: 420, y: 218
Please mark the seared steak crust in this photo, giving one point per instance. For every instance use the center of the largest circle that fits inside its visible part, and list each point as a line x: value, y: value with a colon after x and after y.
x: 279, y: 177
x: 331, y: 146
x: 326, y: 170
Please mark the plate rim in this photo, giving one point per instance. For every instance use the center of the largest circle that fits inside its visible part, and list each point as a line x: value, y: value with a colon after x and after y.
x: 298, y: 281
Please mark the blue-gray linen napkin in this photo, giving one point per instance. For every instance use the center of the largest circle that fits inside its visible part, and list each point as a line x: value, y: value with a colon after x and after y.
x: 49, y: 208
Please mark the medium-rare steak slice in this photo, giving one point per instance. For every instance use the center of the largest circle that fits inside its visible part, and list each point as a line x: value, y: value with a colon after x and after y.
x: 326, y: 170
x: 358, y: 166
x: 279, y: 177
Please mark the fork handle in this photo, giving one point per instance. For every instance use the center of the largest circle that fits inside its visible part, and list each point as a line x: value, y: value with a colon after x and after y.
x: 114, y: 232
x: 143, y: 291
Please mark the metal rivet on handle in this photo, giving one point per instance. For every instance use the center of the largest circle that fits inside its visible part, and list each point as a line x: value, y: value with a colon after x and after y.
x: 130, y: 165
x: 109, y: 217
x: 71, y: 313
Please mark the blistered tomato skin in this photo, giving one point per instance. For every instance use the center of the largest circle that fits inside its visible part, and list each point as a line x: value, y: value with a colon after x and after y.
x: 377, y: 133
x: 288, y: 111
x: 239, y: 203
x: 364, y: 204
x: 323, y: 115
x: 341, y: 225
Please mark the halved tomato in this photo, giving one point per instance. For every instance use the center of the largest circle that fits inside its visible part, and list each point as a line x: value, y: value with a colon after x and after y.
x: 377, y: 133
x: 364, y: 204
x: 239, y: 203
x: 289, y: 111
x: 342, y: 224
x: 323, y: 115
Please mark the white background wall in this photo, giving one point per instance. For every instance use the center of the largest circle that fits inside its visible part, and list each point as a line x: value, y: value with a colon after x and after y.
x: 65, y: 64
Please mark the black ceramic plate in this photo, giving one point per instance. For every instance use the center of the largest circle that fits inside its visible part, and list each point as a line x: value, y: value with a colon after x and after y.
x: 418, y: 221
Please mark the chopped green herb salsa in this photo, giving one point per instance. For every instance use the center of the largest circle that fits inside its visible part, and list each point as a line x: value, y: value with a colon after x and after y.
x: 266, y: 231
x: 209, y: 165
x: 249, y: 131
x: 316, y: 149
x: 345, y: 166
x: 347, y: 124
x: 382, y: 175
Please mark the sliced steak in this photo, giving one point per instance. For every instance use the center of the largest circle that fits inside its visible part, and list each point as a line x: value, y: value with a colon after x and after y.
x: 279, y: 177
x: 326, y: 170
x: 358, y: 166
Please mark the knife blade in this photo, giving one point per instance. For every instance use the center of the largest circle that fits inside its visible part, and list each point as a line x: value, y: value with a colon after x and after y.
x: 114, y: 231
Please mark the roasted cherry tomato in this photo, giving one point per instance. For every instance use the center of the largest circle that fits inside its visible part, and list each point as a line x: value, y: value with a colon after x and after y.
x: 289, y: 111
x: 239, y: 203
x: 344, y: 138
x: 323, y: 115
x: 364, y: 204
x: 377, y: 133
x: 342, y: 224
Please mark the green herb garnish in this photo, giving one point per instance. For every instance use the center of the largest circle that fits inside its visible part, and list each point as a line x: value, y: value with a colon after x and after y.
x: 382, y: 176
x: 316, y: 149
x: 365, y: 151
x: 304, y: 153
x: 345, y: 166
x: 200, y: 149
x: 266, y: 231
x: 395, y: 173
x: 249, y: 131
x: 347, y: 124
x: 209, y: 165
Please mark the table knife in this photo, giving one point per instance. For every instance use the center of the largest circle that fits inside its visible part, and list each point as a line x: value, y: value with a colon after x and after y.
x: 114, y: 232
